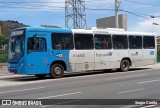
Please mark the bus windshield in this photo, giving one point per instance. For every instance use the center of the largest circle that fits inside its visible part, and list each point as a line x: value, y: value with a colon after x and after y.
x: 16, y: 47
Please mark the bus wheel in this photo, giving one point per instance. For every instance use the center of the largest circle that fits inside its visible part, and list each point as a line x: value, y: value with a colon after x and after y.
x: 57, y: 71
x: 124, y: 66
x: 40, y: 76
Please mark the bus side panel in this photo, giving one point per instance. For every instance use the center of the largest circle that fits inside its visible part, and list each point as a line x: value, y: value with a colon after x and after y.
x: 103, y: 59
x: 117, y: 56
x: 82, y: 60
x: 149, y: 56
x: 61, y: 55
x: 136, y: 57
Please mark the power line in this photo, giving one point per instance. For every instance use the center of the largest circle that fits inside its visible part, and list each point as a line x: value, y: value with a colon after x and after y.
x: 135, y: 14
x: 20, y: 2
x: 27, y: 2
x: 98, y: 9
x: 141, y: 3
x: 149, y: 15
x: 39, y: 5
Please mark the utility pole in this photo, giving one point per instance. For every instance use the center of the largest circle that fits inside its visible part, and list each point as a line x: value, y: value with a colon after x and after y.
x: 116, y: 14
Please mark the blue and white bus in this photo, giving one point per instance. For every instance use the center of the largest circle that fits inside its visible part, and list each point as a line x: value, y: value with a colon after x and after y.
x: 55, y: 51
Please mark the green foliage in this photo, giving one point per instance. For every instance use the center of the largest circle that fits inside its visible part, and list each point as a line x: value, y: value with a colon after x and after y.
x: 158, y: 53
x: 3, y: 56
x: 3, y: 53
x: 7, y: 27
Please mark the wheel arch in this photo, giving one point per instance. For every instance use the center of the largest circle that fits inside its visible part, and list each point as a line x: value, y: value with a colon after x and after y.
x: 59, y: 62
x: 127, y: 58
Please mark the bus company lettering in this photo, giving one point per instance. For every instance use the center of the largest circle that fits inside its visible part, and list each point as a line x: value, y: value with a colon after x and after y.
x: 78, y: 55
x: 42, y: 34
x: 104, y: 55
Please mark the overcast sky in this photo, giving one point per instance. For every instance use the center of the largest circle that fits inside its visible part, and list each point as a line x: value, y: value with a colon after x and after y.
x: 52, y: 12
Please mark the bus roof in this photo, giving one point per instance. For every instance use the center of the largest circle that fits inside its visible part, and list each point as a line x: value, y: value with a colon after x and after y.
x: 44, y: 29
x: 88, y: 31
x: 111, y: 31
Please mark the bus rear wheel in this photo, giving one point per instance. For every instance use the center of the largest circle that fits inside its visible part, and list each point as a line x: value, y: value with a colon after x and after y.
x: 124, y: 66
x: 57, y: 71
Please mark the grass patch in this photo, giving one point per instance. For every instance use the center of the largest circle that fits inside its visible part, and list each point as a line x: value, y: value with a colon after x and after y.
x: 158, y: 58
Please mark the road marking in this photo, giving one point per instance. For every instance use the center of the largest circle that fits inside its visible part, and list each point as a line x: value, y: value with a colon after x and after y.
x: 130, y: 91
x: 59, y: 95
x: 150, y: 106
x: 21, y: 90
x: 46, y: 106
x: 130, y: 76
x: 130, y: 106
x: 149, y: 81
x: 69, y: 78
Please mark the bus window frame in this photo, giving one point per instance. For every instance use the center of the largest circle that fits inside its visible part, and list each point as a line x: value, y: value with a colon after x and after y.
x: 91, y: 35
x: 28, y: 52
x: 72, y: 40
x: 145, y: 41
x: 106, y: 35
x: 120, y: 35
x: 135, y: 36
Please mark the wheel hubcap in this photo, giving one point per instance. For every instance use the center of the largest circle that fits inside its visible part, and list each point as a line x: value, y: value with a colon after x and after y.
x: 57, y: 71
x: 124, y: 65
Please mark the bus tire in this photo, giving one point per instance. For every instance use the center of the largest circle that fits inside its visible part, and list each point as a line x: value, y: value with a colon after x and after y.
x: 57, y: 71
x: 125, y: 65
x: 40, y: 76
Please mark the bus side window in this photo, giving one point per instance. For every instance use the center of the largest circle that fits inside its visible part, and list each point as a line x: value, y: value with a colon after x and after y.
x: 83, y: 41
x: 120, y: 42
x: 30, y: 45
x: 36, y: 44
x: 102, y: 41
x: 148, y: 42
x: 62, y: 41
x: 97, y: 45
x: 42, y: 44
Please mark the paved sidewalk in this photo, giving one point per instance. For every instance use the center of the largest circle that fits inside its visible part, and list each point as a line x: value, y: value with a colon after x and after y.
x: 154, y: 66
x: 3, y: 69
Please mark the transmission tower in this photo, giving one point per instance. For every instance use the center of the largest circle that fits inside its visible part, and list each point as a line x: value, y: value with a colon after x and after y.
x: 75, y: 16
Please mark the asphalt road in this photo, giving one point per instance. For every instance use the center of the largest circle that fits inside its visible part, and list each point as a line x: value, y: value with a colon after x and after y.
x: 76, y: 89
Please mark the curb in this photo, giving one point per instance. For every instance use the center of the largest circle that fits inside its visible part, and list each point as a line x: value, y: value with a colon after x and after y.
x: 3, y: 64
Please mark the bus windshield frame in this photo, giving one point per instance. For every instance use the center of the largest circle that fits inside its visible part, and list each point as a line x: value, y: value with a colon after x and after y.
x: 16, y: 45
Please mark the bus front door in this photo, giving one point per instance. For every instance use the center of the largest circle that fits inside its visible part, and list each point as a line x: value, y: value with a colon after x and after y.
x: 37, y: 56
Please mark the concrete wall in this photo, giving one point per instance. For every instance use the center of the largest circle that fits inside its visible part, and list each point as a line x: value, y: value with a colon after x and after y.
x: 3, y: 68
x: 109, y: 22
